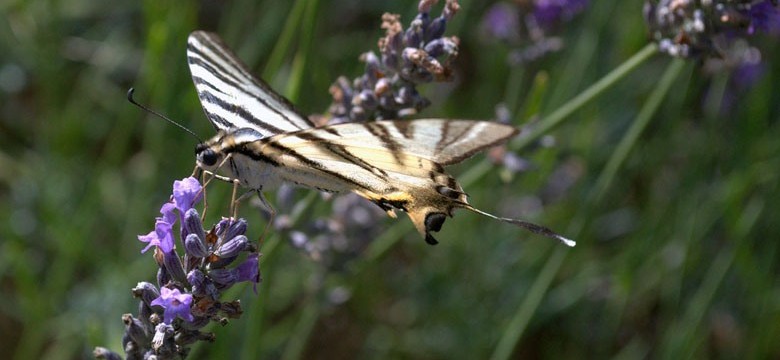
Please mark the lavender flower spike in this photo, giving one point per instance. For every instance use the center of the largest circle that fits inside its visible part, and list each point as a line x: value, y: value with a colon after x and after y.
x: 407, y: 58
x: 190, y: 284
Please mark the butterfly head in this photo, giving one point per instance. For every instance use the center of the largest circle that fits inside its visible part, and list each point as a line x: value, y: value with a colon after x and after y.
x: 206, y: 157
x: 210, y: 154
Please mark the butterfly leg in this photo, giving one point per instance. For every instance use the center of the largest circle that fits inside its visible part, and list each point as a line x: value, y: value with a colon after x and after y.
x: 264, y: 203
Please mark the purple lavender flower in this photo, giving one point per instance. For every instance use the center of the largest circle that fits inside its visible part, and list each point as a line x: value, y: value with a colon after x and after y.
x: 707, y: 28
x: 190, y: 286
x: 175, y: 304
x: 161, y: 236
x: 186, y: 193
x: 407, y: 58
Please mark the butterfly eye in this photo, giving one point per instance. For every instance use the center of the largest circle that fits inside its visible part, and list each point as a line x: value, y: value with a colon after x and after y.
x: 208, y: 157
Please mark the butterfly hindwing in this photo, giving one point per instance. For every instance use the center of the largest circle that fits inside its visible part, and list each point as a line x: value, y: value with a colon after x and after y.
x: 395, y: 164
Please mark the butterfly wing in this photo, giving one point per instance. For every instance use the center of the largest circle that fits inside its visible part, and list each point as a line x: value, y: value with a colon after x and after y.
x: 395, y: 164
x: 231, y: 97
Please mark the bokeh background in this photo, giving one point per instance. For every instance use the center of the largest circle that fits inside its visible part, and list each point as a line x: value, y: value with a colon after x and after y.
x: 678, y: 245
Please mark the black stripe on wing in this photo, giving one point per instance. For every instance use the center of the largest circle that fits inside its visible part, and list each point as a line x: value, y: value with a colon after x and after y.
x: 231, y: 96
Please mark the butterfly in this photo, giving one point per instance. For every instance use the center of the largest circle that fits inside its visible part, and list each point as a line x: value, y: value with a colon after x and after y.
x: 262, y: 141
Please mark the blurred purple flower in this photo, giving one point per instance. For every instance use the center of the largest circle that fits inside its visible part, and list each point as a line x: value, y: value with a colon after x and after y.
x: 548, y: 13
x: 747, y: 74
x: 175, y: 304
x: 764, y: 17
x: 530, y: 26
x: 502, y: 21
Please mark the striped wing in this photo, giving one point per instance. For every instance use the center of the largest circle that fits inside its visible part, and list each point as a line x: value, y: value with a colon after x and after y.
x: 231, y: 97
x: 441, y: 141
x: 395, y: 164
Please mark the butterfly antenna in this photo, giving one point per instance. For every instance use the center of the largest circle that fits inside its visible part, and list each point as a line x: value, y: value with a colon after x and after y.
x: 161, y: 116
x: 536, y: 229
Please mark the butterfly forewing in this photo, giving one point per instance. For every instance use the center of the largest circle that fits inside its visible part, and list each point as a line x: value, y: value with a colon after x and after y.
x: 231, y: 97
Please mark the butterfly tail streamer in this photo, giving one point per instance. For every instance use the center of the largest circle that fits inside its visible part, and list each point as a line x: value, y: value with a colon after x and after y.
x: 534, y: 228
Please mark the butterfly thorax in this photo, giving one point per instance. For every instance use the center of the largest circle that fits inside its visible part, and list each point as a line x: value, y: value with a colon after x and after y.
x: 235, y: 155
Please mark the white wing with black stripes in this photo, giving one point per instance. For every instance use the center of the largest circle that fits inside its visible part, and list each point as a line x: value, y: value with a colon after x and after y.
x: 231, y: 97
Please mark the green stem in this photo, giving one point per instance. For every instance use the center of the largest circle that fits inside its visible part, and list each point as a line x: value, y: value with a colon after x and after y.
x: 640, y: 123
x: 300, y: 335
x: 522, y: 317
x: 550, y: 121
x: 302, y: 55
x: 282, y: 46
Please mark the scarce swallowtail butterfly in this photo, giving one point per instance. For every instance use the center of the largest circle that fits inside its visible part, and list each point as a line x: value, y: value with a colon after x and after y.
x: 263, y: 141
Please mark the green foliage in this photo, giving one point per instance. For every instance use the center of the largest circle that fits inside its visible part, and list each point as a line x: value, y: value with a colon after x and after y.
x: 664, y: 174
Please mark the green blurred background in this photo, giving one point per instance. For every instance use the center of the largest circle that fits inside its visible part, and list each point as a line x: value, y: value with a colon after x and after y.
x: 678, y: 247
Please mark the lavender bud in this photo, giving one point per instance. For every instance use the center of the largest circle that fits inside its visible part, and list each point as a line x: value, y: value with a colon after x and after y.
x: 357, y: 113
x: 221, y: 226
x: 395, y: 42
x: 410, y: 56
x: 202, y: 285
x: 192, y: 224
x: 236, y: 228
x: 414, y: 35
x: 197, y: 323
x: 436, y: 29
x: 196, y: 278
x: 450, y: 9
x: 344, y: 86
x: 363, y: 82
x: 232, y: 247
x: 406, y: 96
x: 194, y: 246
x: 134, y: 328
x: 424, y: 6
x: 367, y: 99
x: 105, y: 354
x: 174, y: 267
x: 144, y: 312
x: 163, y: 276
x: 132, y: 350
x: 388, y: 102
x: 390, y: 60
x: 373, y: 67
x: 382, y: 87
x: 442, y: 46
x: 223, y: 277
x: 146, y: 291
x: 221, y: 262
